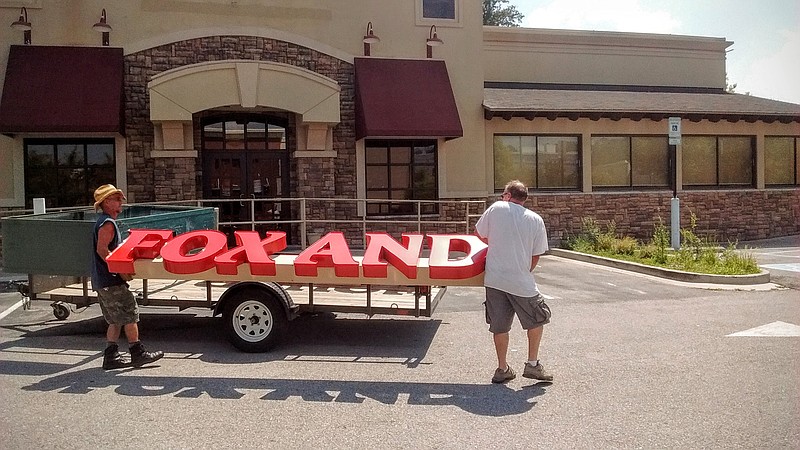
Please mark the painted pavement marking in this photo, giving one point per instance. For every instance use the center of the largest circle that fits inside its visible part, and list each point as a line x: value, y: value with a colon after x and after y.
x: 774, y: 329
x: 12, y: 308
x: 791, y: 267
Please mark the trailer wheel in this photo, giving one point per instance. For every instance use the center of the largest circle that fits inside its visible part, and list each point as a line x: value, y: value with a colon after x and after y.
x: 254, y: 321
x: 60, y: 311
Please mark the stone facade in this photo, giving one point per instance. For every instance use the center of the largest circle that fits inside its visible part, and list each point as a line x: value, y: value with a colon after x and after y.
x: 759, y: 214
x: 168, y: 179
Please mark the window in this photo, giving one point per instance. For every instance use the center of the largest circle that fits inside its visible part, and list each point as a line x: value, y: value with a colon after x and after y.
x: 544, y: 162
x: 439, y: 9
x: 717, y: 161
x: 781, y: 160
x: 630, y: 161
x: 65, y: 172
x: 400, y: 170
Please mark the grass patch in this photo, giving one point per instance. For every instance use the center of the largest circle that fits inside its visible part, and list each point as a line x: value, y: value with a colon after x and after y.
x: 697, y: 254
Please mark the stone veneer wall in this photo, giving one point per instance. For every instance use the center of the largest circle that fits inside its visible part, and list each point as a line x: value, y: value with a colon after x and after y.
x: 725, y: 215
x: 168, y: 179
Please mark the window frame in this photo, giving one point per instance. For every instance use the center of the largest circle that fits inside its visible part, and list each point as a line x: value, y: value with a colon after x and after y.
x: 631, y: 185
x: 717, y: 185
x: 438, y: 21
x: 536, y: 136
x: 795, y: 162
x: 386, y: 208
x: 58, y: 196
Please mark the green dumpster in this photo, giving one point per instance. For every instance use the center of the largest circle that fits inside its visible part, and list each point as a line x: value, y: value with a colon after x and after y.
x: 61, y: 243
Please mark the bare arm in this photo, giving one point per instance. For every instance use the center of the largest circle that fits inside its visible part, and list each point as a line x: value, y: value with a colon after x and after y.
x: 104, y: 237
x: 534, y: 261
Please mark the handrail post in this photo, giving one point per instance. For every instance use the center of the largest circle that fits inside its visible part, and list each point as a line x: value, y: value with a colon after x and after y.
x: 303, y: 236
x: 419, y: 216
x: 252, y: 214
x: 466, y: 217
x: 364, y: 224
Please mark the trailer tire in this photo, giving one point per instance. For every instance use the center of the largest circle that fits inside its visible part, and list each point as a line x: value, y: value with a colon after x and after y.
x: 60, y: 311
x: 254, y: 320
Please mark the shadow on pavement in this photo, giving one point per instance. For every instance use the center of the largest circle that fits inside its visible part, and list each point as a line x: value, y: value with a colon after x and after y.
x: 317, y: 338
x: 486, y: 400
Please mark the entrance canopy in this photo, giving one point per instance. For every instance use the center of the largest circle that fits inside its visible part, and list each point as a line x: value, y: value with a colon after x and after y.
x: 405, y: 98
x: 62, y: 89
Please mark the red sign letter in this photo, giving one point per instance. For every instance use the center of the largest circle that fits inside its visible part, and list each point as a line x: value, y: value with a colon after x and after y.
x: 330, y: 251
x: 382, y: 248
x: 444, y: 268
x: 253, y: 250
x: 176, y: 252
x: 139, y: 244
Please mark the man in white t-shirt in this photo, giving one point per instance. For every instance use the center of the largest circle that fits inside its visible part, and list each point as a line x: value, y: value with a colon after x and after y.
x: 516, y: 238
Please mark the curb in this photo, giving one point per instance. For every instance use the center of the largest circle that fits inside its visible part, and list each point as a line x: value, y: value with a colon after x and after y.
x: 690, y: 277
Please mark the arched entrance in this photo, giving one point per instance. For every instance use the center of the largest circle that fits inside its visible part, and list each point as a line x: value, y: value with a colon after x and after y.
x: 254, y: 116
x: 244, y: 157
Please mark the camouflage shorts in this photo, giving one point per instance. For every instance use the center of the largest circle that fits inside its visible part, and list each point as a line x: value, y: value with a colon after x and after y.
x: 118, y: 305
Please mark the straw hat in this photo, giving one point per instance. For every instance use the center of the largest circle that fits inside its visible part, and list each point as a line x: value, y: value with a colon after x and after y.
x: 103, y: 192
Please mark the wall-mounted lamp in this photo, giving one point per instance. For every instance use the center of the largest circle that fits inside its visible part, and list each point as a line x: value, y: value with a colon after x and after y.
x: 433, y: 41
x: 369, y: 38
x: 103, y: 27
x: 23, y: 25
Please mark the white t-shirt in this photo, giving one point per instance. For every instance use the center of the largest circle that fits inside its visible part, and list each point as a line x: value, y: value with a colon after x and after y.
x: 516, y: 234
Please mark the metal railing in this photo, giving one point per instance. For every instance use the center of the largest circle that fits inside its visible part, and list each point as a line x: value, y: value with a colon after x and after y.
x: 462, y: 213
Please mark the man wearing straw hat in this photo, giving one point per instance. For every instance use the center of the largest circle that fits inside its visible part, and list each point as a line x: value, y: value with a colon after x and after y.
x: 116, y: 300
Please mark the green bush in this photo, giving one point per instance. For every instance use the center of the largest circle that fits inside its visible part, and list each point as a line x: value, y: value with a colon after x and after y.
x: 697, y: 254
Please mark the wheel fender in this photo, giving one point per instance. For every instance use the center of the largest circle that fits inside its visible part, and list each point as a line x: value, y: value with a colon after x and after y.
x: 273, y: 290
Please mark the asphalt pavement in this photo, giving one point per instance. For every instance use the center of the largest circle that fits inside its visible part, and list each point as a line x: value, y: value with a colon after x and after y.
x: 640, y: 362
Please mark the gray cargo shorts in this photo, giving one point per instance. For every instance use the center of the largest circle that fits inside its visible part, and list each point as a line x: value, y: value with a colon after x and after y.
x: 500, y: 306
x: 118, y: 305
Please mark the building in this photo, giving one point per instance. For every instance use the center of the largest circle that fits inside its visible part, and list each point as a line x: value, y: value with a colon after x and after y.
x: 226, y: 99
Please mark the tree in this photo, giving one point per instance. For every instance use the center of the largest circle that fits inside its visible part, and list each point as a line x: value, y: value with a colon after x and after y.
x: 496, y: 12
x: 729, y: 88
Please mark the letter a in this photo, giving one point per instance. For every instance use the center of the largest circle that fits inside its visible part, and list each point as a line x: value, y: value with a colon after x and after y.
x: 330, y: 251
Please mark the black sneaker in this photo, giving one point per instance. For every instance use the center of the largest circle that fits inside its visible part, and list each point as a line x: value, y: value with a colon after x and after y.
x: 140, y: 356
x: 112, y: 359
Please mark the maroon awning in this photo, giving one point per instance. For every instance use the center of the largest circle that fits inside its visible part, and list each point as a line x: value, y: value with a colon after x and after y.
x: 405, y: 98
x: 62, y: 89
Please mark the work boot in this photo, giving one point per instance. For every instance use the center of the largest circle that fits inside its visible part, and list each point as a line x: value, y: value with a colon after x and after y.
x: 140, y: 356
x: 501, y: 376
x: 536, y: 372
x: 112, y: 359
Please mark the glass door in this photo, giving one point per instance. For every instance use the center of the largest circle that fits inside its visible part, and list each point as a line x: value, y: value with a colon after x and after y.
x: 245, y: 166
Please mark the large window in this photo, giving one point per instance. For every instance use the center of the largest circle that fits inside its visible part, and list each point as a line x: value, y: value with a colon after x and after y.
x: 539, y: 161
x: 630, y: 161
x: 717, y: 161
x: 439, y: 9
x: 400, y: 170
x: 65, y: 172
x: 781, y: 160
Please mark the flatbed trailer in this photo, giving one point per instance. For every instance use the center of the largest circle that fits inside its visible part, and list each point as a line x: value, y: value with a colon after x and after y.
x: 257, y: 298
x: 256, y: 287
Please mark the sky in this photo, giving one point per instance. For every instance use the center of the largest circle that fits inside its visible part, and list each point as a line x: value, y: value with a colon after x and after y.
x: 764, y: 59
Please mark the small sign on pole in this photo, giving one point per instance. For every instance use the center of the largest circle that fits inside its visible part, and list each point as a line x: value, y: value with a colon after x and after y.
x: 675, y: 205
x: 674, y: 130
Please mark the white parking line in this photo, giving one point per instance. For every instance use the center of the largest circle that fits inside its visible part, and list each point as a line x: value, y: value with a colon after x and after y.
x: 12, y: 308
x: 792, y: 267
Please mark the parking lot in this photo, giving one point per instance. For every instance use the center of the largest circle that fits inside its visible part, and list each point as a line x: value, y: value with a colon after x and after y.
x: 640, y: 362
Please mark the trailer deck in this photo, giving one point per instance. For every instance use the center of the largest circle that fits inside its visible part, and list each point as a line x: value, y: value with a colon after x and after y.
x: 417, y: 301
